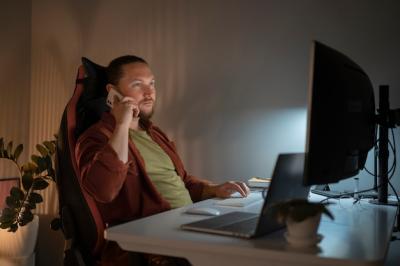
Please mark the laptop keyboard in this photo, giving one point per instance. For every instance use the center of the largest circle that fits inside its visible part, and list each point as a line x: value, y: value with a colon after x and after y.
x: 239, y: 201
x: 246, y: 226
x: 226, y: 220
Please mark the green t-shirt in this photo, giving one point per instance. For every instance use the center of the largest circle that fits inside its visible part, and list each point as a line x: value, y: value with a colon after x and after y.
x: 161, y: 170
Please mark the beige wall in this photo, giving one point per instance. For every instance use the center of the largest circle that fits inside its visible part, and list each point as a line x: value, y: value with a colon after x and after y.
x: 15, y: 59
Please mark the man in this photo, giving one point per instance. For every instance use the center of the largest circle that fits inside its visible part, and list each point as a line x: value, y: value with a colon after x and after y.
x: 129, y: 165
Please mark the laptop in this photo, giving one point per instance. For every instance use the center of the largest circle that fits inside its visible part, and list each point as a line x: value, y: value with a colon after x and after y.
x: 286, y: 184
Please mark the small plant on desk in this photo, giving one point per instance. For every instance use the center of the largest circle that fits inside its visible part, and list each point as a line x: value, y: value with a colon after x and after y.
x: 302, y: 219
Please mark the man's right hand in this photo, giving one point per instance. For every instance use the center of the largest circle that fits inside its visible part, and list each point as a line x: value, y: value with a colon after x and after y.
x: 126, y: 112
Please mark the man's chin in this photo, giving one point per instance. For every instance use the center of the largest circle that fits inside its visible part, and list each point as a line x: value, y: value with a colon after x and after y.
x: 145, y: 115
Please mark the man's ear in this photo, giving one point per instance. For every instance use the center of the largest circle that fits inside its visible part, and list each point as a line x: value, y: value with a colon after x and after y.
x: 109, y: 87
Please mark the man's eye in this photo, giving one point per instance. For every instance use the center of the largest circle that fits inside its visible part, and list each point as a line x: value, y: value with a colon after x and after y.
x: 136, y: 84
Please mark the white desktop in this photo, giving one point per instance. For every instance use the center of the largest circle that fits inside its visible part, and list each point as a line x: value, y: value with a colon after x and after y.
x: 359, y: 235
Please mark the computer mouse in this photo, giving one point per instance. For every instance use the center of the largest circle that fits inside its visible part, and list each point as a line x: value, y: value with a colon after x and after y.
x: 203, y: 211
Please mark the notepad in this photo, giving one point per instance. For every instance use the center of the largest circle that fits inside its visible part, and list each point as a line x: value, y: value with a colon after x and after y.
x: 259, y: 182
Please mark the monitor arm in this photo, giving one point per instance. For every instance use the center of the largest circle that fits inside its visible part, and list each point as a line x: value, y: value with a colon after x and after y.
x: 386, y: 118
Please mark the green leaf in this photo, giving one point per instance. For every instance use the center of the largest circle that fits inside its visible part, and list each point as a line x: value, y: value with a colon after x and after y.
x: 18, y: 151
x: 39, y: 184
x: 328, y: 213
x: 12, y: 202
x: 40, y: 162
x: 298, y: 210
x: 8, y: 214
x: 30, y: 205
x: 35, y: 198
x: 17, y: 193
x: 29, y: 167
x: 43, y: 151
x: 49, y: 162
x: 6, y: 225
x: 25, y: 217
x: 51, y: 173
x: 42, y: 166
x: 35, y: 158
x: 9, y: 149
x: 13, y: 228
x: 6, y: 219
x: 27, y: 181
x: 50, y: 146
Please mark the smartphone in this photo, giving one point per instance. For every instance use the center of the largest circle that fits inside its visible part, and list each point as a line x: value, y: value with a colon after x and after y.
x: 111, y: 97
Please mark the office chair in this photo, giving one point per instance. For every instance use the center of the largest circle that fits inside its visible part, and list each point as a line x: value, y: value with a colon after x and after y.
x: 80, y: 219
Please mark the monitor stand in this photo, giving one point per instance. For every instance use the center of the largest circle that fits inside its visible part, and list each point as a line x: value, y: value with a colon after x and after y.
x: 386, y: 119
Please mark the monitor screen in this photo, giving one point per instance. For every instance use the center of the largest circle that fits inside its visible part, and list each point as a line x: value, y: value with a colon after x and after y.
x: 340, y: 119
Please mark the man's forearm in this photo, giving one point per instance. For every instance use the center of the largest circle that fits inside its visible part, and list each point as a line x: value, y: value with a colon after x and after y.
x: 119, y: 142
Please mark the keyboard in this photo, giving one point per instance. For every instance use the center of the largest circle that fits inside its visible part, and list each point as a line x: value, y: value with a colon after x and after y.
x: 236, y: 200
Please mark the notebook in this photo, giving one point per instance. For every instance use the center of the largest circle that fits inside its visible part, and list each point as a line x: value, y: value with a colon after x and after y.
x: 286, y: 184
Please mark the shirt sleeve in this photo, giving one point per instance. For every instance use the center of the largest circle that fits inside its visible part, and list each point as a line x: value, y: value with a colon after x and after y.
x: 102, y: 173
x: 195, y: 186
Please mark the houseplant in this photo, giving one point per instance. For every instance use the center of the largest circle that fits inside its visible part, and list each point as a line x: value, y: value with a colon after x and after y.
x: 302, y: 219
x: 34, y: 175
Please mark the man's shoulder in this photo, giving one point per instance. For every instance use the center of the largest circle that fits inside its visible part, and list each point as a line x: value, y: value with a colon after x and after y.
x: 101, y: 128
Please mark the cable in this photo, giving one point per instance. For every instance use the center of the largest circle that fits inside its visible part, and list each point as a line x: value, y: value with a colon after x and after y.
x: 395, y: 193
x: 390, y: 172
x: 395, y: 163
x: 393, y: 166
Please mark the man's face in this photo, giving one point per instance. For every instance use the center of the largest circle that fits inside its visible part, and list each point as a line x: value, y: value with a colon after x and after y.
x: 137, y: 82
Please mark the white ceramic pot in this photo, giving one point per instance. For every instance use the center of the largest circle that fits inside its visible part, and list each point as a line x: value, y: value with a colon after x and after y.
x: 18, y: 248
x: 304, y: 229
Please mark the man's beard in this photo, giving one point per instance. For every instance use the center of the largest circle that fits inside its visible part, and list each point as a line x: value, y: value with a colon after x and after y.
x: 146, y: 116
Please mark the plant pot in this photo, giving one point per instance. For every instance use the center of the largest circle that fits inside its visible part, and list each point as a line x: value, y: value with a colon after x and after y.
x: 18, y: 248
x: 303, y: 233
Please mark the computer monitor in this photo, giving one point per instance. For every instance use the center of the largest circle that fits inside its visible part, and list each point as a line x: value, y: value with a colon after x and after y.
x: 341, y: 117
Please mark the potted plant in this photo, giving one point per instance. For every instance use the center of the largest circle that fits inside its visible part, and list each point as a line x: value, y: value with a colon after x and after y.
x: 302, y: 220
x: 34, y: 175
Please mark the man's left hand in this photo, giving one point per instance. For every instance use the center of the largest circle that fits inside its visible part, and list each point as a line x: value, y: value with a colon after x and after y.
x: 226, y: 189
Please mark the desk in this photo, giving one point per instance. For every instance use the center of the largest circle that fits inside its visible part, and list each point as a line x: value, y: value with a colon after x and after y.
x: 359, y: 235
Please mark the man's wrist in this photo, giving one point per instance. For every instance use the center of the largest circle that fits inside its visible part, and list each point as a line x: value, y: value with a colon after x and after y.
x: 122, y: 126
x: 209, y: 191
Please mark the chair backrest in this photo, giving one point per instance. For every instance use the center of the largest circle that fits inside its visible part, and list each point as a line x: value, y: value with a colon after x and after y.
x: 81, y: 220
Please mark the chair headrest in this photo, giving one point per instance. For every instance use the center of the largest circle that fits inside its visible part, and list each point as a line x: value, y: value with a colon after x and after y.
x: 96, y: 79
x: 92, y: 102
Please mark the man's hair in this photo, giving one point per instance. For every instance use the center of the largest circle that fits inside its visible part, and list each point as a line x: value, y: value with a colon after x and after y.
x: 114, y: 69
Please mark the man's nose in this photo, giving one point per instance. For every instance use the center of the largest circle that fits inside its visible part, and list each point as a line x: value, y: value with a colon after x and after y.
x: 147, y: 89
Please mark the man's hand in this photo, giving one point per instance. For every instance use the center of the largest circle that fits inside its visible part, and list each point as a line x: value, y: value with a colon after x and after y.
x: 125, y: 111
x: 126, y: 114
x: 225, y: 190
